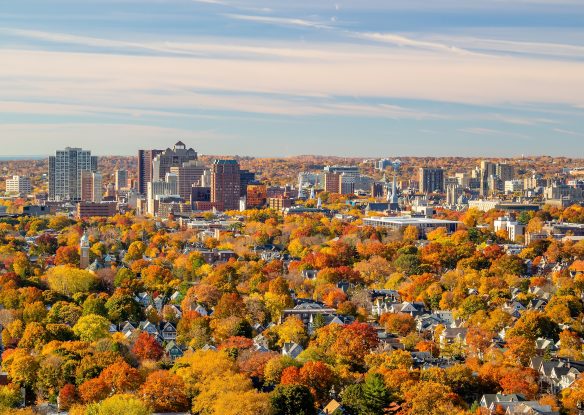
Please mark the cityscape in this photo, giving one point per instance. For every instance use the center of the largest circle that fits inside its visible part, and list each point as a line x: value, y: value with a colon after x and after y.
x: 252, y: 207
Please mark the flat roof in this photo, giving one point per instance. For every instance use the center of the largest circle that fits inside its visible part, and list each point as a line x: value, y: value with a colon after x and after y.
x: 405, y: 220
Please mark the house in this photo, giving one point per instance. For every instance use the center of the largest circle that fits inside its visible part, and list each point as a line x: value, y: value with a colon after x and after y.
x: 412, y: 308
x: 306, y: 311
x: 173, y: 351
x: 453, y: 336
x: 144, y: 299
x: 529, y: 408
x: 309, y: 274
x: 168, y: 331
x: 333, y: 408
x: 492, y: 400
x: 292, y: 349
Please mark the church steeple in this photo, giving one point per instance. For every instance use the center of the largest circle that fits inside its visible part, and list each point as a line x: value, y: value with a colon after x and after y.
x: 84, y: 251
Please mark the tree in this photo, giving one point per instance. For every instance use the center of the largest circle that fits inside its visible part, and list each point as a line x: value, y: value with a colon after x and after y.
x: 375, y: 393
x: 398, y: 323
x: 120, y: 377
x: 118, y: 404
x: 10, y: 397
x: 146, y: 347
x: 411, y: 233
x: 67, y: 396
x: 67, y: 255
x: 121, y: 306
x: 68, y: 280
x: 92, y: 327
x: 164, y: 392
x: 135, y: 251
x: 292, y: 400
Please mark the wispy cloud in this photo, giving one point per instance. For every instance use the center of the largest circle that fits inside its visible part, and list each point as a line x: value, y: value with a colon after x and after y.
x: 492, y: 132
x: 403, y: 41
x: 280, y: 21
x: 568, y: 132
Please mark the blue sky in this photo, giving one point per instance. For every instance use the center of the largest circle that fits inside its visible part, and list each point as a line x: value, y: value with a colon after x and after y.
x: 281, y: 78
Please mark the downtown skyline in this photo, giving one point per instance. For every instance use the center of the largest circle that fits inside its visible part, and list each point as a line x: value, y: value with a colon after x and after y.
x: 499, y: 78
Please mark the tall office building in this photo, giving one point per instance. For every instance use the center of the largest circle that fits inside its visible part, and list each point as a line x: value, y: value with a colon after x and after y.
x: 431, y: 180
x: 91, y: 187
x: 245, y: 178
x: 487, y: 169
x: 121, y: 179
x: 225, y: 184
x: 505, y: 171
x: 188, y: 175
x: 145, y: 158
x: 175, y: 157
x: 65, y: 169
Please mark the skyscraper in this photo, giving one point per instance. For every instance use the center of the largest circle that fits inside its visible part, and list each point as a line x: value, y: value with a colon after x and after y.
x: 121, y: 179
x: 188, y: 174
x: 65, y: 169
x: 431, y: 180
x: 145, y: 158
x: 487, y: 170
x: 174, y: 157
x: 225, y: 184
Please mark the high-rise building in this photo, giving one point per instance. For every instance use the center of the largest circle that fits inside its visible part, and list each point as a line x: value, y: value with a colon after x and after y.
x: 245, y: 178
x: 145, y: 158
x: 121, y: 179
x: 188, y: 175
x: 91, y: 188
x: 19, y: 185
x: 225, y: 184
x: 65, y: 169
x: 431, y: 180
x: 505, y: 171
x: 175, y: 157
x: 161, y: 189
x: 487, y: 169
x: 331, y: 182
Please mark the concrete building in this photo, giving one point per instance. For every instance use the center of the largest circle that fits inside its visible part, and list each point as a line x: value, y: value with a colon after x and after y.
x: 188, y: 175
x: 121, y: 179
x: 175, y: 157
x: 91, y: 187
x: 279, y: 203
x: 65, y: 169
x: 94, y: 209
x: 512, y: 186
x: 431, y: 180
x: 257, y: 195
x: 505, y: 171
x: 145, y: 158
x: 18, y: 185
x: 486, y: 170
x: 158, y: 189
x: 515, y: 230
x: 346, y: 184
x: 225, y: 184
x: 424, y: 225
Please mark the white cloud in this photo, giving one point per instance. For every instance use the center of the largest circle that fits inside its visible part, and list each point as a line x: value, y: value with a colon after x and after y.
x: 279, y: 21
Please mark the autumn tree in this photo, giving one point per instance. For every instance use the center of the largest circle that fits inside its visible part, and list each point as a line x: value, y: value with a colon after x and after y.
x: 146, y: 347
x: 164, y: 392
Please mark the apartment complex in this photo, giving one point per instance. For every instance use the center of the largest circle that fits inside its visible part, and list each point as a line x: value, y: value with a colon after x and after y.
x: 65, y: 169
x: 18, y: 185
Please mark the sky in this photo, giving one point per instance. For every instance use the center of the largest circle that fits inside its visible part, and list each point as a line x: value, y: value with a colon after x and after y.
x: 365, y: 78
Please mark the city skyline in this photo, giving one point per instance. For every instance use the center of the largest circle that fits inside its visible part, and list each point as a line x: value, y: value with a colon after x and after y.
x: 499, y: 78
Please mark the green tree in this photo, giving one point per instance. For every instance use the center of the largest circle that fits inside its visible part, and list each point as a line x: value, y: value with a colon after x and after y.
x: 376, y: 395
x: 292, y: 400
